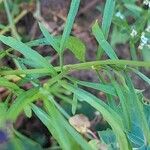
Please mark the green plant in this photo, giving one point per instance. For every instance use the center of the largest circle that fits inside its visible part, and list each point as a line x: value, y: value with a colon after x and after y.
x: 124, y: 110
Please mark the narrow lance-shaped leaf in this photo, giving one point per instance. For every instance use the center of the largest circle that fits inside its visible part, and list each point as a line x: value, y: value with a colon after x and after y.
x: 138, y: 109
x: 50, y: 38
x: 27, y: 52
x: 107, y: 16
x: 102, y: 42
x: 70, y: 20
x: 142, y: 76
x: 74, y: 44
x: 75, y: 138
x: 109, y: 89
x: 12, y: 86
x: 23, y: 100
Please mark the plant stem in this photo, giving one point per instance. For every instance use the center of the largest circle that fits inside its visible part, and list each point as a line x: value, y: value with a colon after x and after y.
x: 61, y: 60
x: 16, y: 20
x: 80, y: 66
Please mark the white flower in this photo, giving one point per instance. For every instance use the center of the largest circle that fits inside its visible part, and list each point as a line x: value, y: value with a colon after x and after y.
x: 141, y: 46
x: 146, y: 2
x: 118, y: 14
x: 133, y: 33
x: 148, y: 28
x: 144, y: 39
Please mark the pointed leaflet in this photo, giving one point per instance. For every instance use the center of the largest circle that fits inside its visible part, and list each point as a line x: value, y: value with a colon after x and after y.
x: 50, y: 38
x: 51, y: 126
x: 107, y: 16
x: 102, y: 42
x: 27, y: 52
x: 65, y: 126
x: 12, y: 86
x: 70, y: 20
x: 98, y: 86
x: 21, y: 102
x: 74, y: 44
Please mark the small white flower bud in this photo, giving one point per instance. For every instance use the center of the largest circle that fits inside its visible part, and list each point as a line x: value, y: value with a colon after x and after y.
x: 133, y: 33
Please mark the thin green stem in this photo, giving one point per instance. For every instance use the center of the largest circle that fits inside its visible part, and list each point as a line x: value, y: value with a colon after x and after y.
x: 80, y: 66
x: 10, y: 20
x: 16, y: 20
x: 61, y: 60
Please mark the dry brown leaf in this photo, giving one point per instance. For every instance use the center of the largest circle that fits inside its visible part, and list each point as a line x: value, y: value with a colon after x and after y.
x: 80, y: 122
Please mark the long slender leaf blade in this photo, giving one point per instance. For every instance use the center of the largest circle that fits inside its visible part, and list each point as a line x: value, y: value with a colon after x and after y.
x: 50, y: 38
x: 74, y: 44
x: 107, y: 16
x: 142, y: 76
x: 65, y: 125
x: 27, y: 52
x: 24, y: 99
x: 70, y: 20
x: 98, y: 86
x: 92, y: 100
x: 12, y: 86
x: 48, y: 122
x: 138, y: 108
x: 102, y: 42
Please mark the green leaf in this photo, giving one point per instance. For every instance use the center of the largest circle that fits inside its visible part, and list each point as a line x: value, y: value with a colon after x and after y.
x: 146, y: 53
x: 136, y: 11
x: 66, y: 131
x: 70, y: 20
x: 48, y: 122
x: 3, y: 110
x: 118, y: 38
x: 110, y: 115
x: 136, y: 136
x: 23, y: 100
x: 137, y: 109
x: 24, y: 142
x: 27, y: 52
x: 76, y: 46
x: 124, y: 105
x: 108, y: 137
x: 58, y: 131
x: 142, y: 76
x: 11, y: 86
x: 50, y: 38
x: 102, y: 42
x: 107, y: 16
x: 74, y: 103
x: 98, y: 86
x: 11, y: 20
x: 28, y: 111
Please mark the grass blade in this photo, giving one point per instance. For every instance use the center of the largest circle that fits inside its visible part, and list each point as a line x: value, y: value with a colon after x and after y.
x: 98, y: 86
x: 21, y: 102
x: 65, y: 126
x: 50, y: 39
x: 102, y: 42
x: 12, y: 86
x: 107, y: 16
x: 10, y: 19
x: 27, y: 52
x: 70, y: 20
